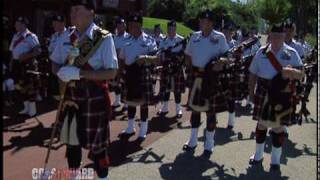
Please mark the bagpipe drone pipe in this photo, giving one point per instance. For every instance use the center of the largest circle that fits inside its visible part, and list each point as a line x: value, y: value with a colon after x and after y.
x: 208, y: 81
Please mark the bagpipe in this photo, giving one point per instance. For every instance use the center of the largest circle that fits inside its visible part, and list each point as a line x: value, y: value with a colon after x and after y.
x: 173, y: 61
x: 279, y: 106
x: 208, y: 80
x: 311, y: 70
x: 139, y: 83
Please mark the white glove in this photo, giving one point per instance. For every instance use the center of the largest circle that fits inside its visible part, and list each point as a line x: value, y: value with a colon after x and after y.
x: 68, y: 73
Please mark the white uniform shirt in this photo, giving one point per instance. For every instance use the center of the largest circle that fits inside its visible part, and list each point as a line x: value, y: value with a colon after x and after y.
x: 142, y: 45
x: 203, y: 49
x: 261, y: 66
x: 55, y: 38
x: 297, y: 46
x: 170, y: 42
x: 306, y: 48
x: 105, y: 56
x: 29, y: 42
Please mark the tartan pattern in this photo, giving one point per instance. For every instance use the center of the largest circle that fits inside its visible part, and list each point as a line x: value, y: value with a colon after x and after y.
x: 94, y: 114
x: 218, y: 102
x: 146, y: 86
x: 116, y: 83
x: 28, y: 82
x: 178, y: 79
x: 259, y: 98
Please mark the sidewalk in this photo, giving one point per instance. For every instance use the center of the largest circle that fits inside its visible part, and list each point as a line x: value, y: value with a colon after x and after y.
x: 164, y: 159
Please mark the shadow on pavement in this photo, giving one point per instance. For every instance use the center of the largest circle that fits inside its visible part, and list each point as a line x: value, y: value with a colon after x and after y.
x: 258, y: 172
x: 186, y: 166
x: 12, y: 117
x: 289, y: 150
x: 37, y: 136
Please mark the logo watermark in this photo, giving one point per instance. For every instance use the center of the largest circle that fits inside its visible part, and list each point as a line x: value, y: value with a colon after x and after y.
x: 54, y: 173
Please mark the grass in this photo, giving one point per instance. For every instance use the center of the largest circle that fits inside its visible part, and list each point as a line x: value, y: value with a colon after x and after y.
x: 312, y: 40
x: 148, y: 23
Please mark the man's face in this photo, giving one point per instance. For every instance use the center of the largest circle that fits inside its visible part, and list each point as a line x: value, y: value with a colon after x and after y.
x: 79, y: 15
x: 20, y: 27
x: 289, y: 34
x: 121, y: 27
x: 157, y: 31
x: 277, y: 38
x: 58, y: 26
x: 205, y: 24
x: 134, y: 28
x: 171, y: 31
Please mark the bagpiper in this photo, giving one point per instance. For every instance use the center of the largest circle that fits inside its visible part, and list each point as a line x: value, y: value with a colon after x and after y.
x: 172, y: 74
x: 273, y: 70
x: 138, y: 55
x: 121, y: 37
x: 290, y: 29
x: 25, y: 47
x: 157, y: 34
x: 87, y: 59
x: 204, y: 48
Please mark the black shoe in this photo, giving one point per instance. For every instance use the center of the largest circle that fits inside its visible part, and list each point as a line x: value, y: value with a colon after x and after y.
x: 179, y: 116
x: 141, y: 139
x: 187, y: 148
x: 275, y: 167
x: 252, y: 161
x: 229, y: 127
x: 206, y: 153
x: 125, y: 135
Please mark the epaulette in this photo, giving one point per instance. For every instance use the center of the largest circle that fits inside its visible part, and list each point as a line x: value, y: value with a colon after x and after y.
x: 103, y: 32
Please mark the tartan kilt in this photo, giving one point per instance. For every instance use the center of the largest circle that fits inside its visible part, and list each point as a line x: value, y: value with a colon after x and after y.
x: 26, y: 83
x: 260, y: 97
x: 178, y: 81
x: 238, y: 84
x: 146, y: 88
x: 218, y: 101
x: 93, y: 115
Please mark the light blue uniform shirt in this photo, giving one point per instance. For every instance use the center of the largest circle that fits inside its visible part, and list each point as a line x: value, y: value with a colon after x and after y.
x: 203, y: 49
x: 261, y: 66
x: 105, y: 56
x: 170, y: 42
x: 297, y: 46
x: 143, y: 45
x: 55, y: 38
x: 121, y: 40
x: 29, y: 42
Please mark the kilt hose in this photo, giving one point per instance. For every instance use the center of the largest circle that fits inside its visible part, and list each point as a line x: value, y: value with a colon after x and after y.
x: 172, y: 82
x: 218, y: 99
x: 138, y: 86
x: 91, y: 117
x: 260, y: 98
x: 26, y: 83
